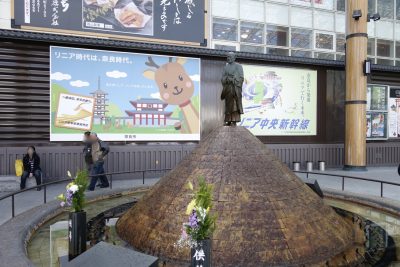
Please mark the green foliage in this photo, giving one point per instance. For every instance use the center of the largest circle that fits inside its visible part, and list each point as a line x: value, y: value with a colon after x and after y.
x: 78, y: 201
x: 204, y: 194
x: 203, y: 205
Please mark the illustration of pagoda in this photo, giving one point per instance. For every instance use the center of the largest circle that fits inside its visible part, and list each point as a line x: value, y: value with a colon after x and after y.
x: 100, y: 105
x: 149, y: 112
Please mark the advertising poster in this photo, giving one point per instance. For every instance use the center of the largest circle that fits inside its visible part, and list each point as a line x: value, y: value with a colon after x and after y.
x: 378, y: 97
x: 279, y: 101
x: 380, y: 113
x: 182, y: 21
x: 394, y: 112
x: 393, y: 118
x: 123, y: 96
x: 378, y: 125
x: 369, y: 125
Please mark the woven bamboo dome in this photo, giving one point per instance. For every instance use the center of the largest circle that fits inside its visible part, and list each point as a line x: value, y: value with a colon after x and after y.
x: 266, y: 215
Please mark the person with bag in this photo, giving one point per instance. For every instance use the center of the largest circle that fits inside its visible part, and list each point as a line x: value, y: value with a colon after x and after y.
x: 99, y: 151
x: 31, y: 162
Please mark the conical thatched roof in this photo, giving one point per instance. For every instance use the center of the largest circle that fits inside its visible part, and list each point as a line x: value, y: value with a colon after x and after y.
x: 266, y: 215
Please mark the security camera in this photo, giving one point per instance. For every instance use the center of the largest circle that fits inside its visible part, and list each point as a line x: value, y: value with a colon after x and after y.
x: 357, y: 14
x: 374, y: 17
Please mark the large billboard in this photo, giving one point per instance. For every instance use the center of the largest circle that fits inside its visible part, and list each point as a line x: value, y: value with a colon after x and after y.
x: 123, y: 96
x: 279, y: 101
x: 162, y: 20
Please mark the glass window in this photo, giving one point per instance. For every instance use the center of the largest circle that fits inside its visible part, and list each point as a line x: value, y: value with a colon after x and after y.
x: 371, y: 47
x: 301, y: 2
x: 340, y: 43
x: 324, y: 20
x: 252, y: 49
x: 371, y: 6
x: 386, y: 8
x: 324, y: 56
x: 225, y: 29
x: 341, y: 57
x: 225, y: 47
x: 340, y: 23
x: 227, y: 9
x: 301, y: 38
x: 251, y: 32
x: 384, y: 48
x: 397, y: 49
x: 397, y: 13
x: 341, y: 5
x: 323, y: 41
x: 277, y: 35
x: 397, y: 63
x: 277, y: 51
x: 383, y: 61
x: 301, y: 17
x: 371, y: 28
x: 397, y: 30
x: 323, y: 4
x: 252, y: 10
x: 277, y: 14
x: 301, y: 53
x: 384, y: 29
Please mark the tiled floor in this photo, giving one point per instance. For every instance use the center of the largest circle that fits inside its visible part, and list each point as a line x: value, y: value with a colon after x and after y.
x: 388, y: 174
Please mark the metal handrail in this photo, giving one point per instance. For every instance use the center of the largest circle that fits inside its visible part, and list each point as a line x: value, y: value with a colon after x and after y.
x: 44, y: 186
x: 350, y: 177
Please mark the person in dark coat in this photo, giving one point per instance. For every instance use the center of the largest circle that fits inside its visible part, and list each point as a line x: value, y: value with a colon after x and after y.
x: 87, y: 151
x: 99, y: 150
x: 31, y: 167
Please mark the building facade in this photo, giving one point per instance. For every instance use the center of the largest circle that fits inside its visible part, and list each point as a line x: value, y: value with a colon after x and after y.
x: 302, y: 28
x: 282, y: 33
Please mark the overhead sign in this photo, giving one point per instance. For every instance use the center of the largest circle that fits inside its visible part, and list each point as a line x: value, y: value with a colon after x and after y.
x: 162, y: 20
x: 279, y: 101
x: 123, y: 96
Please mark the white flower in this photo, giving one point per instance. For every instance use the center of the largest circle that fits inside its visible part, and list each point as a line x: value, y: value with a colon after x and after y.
x: 202, y: 212
x: 74, y: 188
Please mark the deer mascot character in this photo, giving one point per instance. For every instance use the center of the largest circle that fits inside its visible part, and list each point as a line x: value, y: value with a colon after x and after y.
x: 176, y: 88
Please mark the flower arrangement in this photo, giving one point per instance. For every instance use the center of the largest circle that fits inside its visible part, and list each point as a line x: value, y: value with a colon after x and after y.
x: 75, y: 192
x: 201, y: 223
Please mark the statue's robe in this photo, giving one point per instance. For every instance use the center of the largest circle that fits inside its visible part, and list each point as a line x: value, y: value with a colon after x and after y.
x: 232, y: 82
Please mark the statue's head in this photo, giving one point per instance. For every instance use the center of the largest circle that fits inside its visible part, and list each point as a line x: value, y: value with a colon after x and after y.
x: 231, y: 57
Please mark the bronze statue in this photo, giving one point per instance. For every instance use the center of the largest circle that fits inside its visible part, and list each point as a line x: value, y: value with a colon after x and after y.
x: 232, y: 81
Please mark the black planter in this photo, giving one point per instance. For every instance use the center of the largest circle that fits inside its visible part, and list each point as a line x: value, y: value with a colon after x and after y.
x: 201, y: 254
x: 76, y: 234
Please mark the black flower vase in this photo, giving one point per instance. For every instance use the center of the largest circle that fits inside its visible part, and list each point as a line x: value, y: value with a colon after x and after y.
x: 76, y: 234
x: 201, y: 254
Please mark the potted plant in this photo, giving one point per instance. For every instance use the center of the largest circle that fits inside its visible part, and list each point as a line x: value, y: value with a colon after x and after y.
x: 196, y: 233
x: 74, y: 197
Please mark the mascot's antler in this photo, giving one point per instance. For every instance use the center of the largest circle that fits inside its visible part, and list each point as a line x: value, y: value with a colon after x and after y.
x: 151, y: 63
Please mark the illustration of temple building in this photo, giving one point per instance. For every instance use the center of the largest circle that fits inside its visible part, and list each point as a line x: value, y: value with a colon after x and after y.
x: 149, y: 112
x: 100, y: 105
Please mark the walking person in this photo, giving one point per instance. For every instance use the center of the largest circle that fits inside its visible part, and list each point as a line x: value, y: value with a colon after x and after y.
x: 87, y: 152
x: 99, y: 151
x: 31, y: 163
